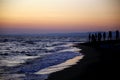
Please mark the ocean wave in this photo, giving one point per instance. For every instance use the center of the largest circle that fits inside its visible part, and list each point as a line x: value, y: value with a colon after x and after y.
x: 23, y: 57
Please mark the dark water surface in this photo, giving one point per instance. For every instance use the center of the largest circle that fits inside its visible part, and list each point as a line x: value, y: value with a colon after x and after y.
x: 32, y: 57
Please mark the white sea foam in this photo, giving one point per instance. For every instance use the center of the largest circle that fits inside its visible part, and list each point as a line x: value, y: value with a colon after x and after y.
x: 61, y: 66
x: 66, y: 45
x: 12, y: 76
x: 50, y: 48
x: 73, y: 49
x: 14, y: 61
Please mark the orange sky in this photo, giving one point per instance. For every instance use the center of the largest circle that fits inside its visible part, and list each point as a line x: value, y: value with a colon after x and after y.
x: 79, y: 15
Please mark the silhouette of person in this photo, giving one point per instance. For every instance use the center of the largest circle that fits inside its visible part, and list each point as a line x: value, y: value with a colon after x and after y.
x: 104, y: 36
x: 96, y: 36
x: 110, y: 35
x: 117, y: 35
x: 99, y: 36
x: 89, y: 37
x: 93, y: 38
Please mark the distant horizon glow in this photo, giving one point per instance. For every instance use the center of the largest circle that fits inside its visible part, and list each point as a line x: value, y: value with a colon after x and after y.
x: 46, y: 16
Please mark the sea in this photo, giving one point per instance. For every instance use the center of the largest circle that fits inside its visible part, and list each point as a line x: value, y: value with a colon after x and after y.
x: 35, y: 57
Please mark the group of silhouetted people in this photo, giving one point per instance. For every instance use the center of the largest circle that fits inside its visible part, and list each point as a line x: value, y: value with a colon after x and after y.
x: 103, y: 36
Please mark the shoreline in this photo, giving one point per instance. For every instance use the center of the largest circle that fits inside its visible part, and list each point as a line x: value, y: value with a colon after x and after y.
x: 59, y: 67
x: 97, y: 64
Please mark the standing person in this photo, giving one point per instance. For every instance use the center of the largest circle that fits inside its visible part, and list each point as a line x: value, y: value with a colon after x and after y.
x: 104, y: 36
x: 117, y: 35
x: 96, y: 36
x: 93, y: 38
x: 89, y: 37
x: 110, y: 35
x: 99, y: 36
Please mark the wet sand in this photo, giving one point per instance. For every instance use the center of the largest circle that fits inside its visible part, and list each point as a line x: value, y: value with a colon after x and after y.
x: 101, y: 61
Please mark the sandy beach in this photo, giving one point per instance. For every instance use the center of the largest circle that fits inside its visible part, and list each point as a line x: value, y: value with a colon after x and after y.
x: 101, y: 61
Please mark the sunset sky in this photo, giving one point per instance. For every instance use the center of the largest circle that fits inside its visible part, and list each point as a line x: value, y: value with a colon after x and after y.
x: 60, y: 15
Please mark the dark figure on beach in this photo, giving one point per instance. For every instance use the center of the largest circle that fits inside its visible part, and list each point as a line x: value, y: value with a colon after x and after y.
x: 110, y: 35
x: 89, y: 37
x: 99, y: 36
x: 117, y: 35
x: 93, y: 38
x: 104, y: 36
x: 96, y: 36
